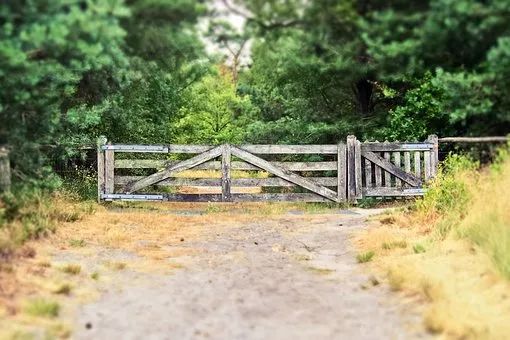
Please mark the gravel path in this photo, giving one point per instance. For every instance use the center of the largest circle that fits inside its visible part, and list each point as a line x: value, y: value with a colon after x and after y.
x: 288, y: 277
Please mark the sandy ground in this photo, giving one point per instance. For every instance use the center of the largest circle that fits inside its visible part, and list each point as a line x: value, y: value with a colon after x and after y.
x: 288, y: 276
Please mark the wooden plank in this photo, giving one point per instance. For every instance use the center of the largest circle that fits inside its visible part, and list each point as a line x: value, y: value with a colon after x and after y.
x: 252, y: 148
x: 284, y: 173
x: 387, y: 174
x: 368, y: 173
x: 359, y: 169
x: 397, y: 162
x: 384, y: 192
x: 391, y: 147
x: 434, y: 155
x: 216, y: 165
x: 235, y: 182
x: 169, y: 171
x: 100, y: 173
x: 109, y: 166
x: 417, y: 164
x: 351, y: 168
x: 426, y: 165
x: 389, y: 167
x: 136, y: 148
x: 378, y: 175
x: 407, y: 162
x: 492, y: 139
x: 341, y: 173
x: 276, y: 197
x: 226, y: 195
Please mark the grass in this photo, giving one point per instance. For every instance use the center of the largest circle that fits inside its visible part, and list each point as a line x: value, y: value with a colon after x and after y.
x: 77, y: 243
x: 365, y: 256
x: 63, y: 289
x: 42, y: 308
x: 73, y: 269
x: 459, y: 261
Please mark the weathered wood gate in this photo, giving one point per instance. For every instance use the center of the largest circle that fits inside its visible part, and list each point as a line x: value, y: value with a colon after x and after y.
x: 307, y: 173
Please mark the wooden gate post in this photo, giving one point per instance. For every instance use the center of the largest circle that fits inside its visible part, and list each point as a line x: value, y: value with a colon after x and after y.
x: 226, y: 195
x: 434, y: 154
x: 342, y: 172
x: 5, y: 170
x: 351, y: 168
x: 100, y: 167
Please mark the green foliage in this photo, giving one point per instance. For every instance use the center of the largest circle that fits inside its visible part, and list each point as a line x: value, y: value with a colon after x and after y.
x: 42, y: 308
x: 214, y: 113
x: 365, y: 257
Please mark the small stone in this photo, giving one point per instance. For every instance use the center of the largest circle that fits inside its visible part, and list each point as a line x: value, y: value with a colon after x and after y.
x: 256, y: 243
x: 182, y: 239
x: 88, y: 325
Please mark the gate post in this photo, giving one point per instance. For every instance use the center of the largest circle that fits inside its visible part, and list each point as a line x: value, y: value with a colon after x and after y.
x: 342, y: 172
x: 5, y: 170
x: 351, y: 168
x: 226, y: 195
x: 434, y: 155
x: 100, y: 167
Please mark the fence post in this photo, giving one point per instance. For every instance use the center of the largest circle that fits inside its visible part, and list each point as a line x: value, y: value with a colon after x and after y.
x: 100, y: 167
x: 351, y: 168
x: 342, y: 172
x: 5, y: 170
x: 109, y: 170
x: 434, y: 154
x: 226, y: 195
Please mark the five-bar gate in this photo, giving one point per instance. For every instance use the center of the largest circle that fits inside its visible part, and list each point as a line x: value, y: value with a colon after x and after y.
x: 307, y: 173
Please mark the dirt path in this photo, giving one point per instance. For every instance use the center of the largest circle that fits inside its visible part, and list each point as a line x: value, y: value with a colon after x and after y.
x: 287, y: 277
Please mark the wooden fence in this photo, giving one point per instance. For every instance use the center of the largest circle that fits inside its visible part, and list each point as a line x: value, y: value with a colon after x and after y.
x: 308, y: 173
x: 5, y: 170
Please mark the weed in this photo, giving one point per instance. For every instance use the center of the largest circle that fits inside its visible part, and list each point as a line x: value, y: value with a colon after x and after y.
x: 320, y: 271
x: 394, y: 244
x: 116, y: 265
x: 77, y: 243
x: 64, y: 289
x: 42, y: 308
x: 365, y: 257
x: 419, y: 248
x: 73, y: 269
x: 94, y: 276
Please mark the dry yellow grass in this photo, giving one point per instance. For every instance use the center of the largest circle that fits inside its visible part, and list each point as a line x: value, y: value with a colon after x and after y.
x: 455, y: 261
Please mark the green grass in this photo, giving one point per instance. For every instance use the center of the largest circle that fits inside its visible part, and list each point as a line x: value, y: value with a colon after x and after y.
x: 42, y: 308
x: 365, y: 257
x: 419, y: 248
x: 94, y: 276
x: 77, y: 243
x: 394, y: 244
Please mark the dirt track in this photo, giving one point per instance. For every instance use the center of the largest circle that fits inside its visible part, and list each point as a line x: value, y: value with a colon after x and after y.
x: 290, y: 276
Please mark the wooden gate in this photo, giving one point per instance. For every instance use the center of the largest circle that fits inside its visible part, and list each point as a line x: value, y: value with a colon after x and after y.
x: 306, y: 173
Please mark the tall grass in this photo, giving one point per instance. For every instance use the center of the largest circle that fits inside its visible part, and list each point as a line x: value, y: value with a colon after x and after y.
x: 473, y: 204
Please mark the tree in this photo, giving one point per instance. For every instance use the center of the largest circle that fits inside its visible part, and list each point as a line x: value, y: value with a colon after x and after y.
x: 54, y: 56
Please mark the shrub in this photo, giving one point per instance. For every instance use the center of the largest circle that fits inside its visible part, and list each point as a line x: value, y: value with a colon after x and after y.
x: 365, y: 257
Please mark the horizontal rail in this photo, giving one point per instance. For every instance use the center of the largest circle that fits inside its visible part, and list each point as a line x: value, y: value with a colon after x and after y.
x: 376, y: 192
x: 127, y: 197
x: 216, y: 165
x: 388, y: 147
x: 252, y: 148
x: 235, y: 182
x: 290, y: 197
x: 494, y: 139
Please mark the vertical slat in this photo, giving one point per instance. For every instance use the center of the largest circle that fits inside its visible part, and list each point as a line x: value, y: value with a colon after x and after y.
x: 226, y: 194
x: 351, y: 168
x: 387, y: 175
x: 417, y: 164
x: 341, y: 172
x: 397, y: 162
x: 359, y: 169
x: 407, y: 162
x: 109, y: 166
x: 378, y: 176
x: 426, y: 165
x: 434, y: 154
x: 368, y: 173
